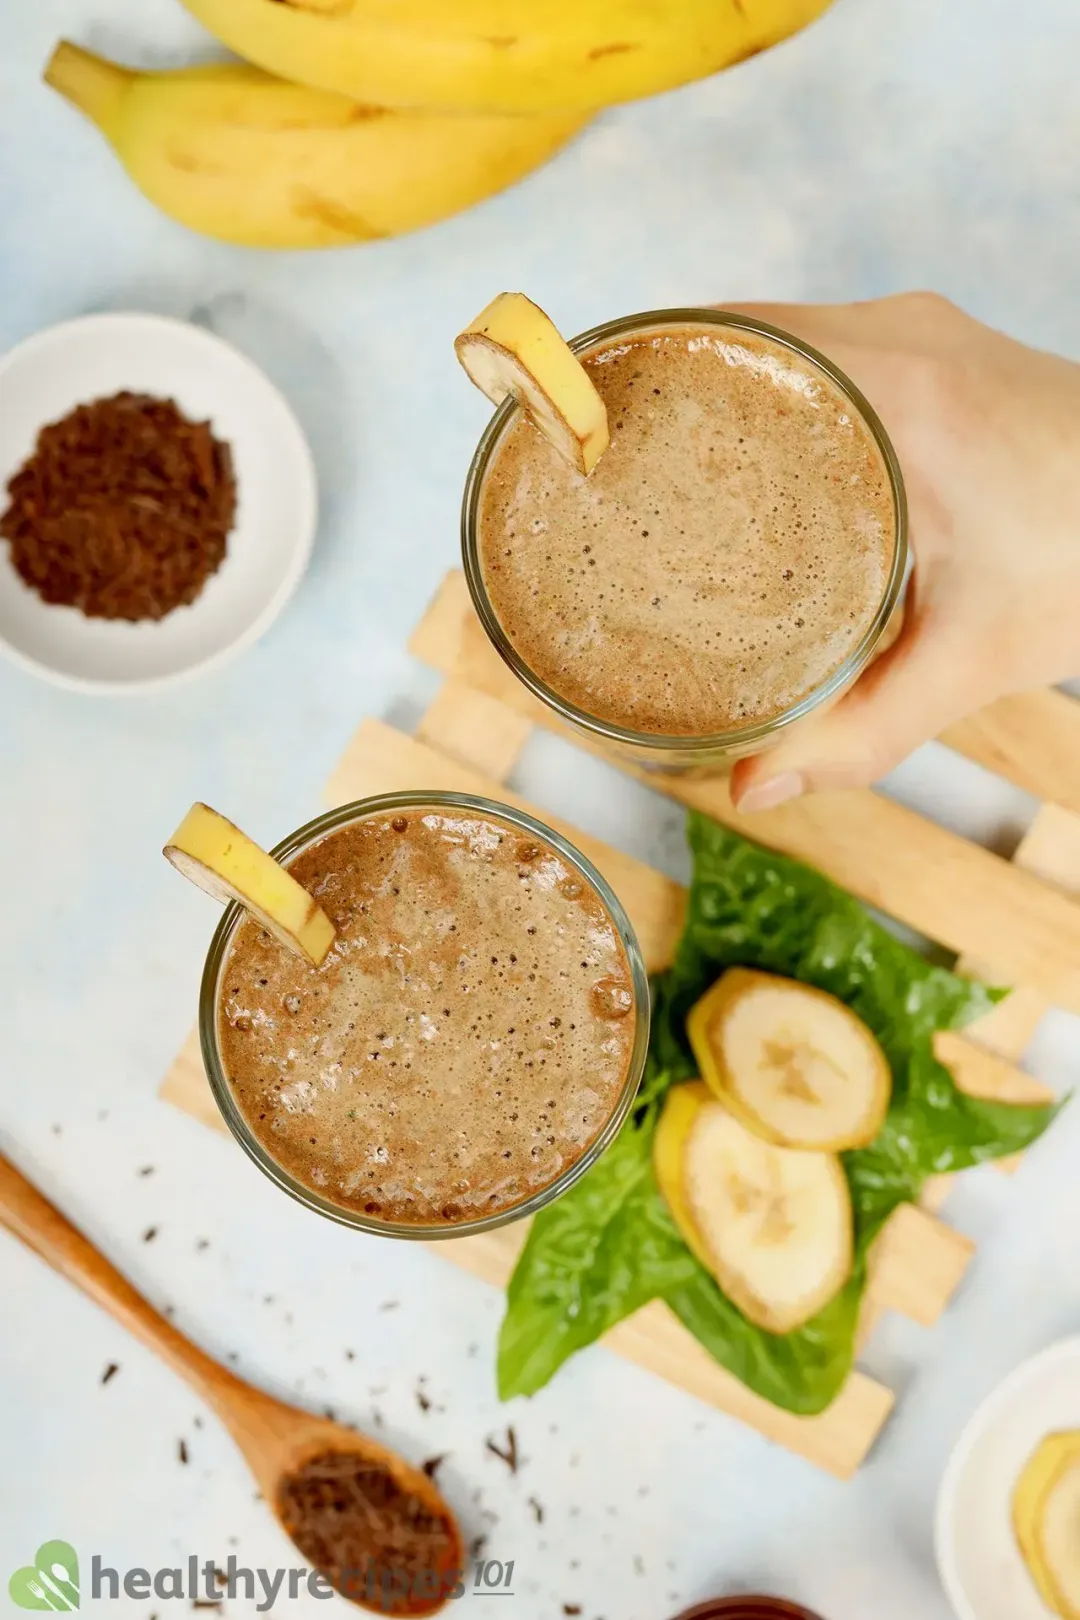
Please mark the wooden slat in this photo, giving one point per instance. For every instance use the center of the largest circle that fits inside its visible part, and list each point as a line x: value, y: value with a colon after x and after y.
x: 186, y: 1085
x: 474, y: 728
x: 983, y: 1073
x: 954, y: 892
x: 1032, y: 739
x: 837, y: 1441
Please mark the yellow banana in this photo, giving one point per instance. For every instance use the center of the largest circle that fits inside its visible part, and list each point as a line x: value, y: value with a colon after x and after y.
x: 500, y: 55
x: 236, y: 154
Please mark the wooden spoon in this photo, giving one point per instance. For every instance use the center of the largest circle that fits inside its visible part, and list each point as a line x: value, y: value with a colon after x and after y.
x: 276, y: 1439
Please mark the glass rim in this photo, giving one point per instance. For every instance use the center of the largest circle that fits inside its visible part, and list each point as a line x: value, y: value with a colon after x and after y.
x: 361, y: 810
x: 734, y: 738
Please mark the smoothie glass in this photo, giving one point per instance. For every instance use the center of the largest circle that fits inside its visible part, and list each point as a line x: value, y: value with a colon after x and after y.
x: 217, y: 963
x: 656, y: 751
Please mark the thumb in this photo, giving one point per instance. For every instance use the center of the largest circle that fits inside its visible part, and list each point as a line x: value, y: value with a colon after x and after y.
x: 916, y: 689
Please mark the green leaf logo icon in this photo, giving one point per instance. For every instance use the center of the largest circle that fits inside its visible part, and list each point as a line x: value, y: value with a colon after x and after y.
x: 50, y: 1582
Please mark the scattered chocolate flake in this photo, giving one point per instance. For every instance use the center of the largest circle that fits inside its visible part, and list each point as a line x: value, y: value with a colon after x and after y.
x: 202, y: 1243
x: 423, y: 1400
x: 147, y: 1170
x: 197, y: 1420
x: 206, y: 1603
x: 56, y: 1130
x: 571, y: 1608
x: 432, y: 1464
x: 537, y: 1510
x: 350, y: 1355
x: 233, y: 1356
x: 349, y: 1516
x: 268, y: 1299
x: 389, y: 1304
x: 328, y: 1412
x: 123, y: 510
x: 477, y: 1545
x: 150, y: 1234
x: 110, y: 1372
x: 181, y: 1451
x: 507, y: 1454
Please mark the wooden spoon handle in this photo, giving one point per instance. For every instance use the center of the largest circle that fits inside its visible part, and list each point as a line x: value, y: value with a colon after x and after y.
x: 30, y: 1216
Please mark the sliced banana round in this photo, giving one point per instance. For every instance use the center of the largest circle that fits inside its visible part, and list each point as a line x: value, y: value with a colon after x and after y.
x: 793, y: 1063
x: 773, y: 1225
x: 1046, y: 1517
x: 221, y: 859
x: 513, y: 349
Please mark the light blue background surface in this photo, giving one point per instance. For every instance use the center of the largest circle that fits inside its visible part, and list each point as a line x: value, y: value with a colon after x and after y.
x: 892, y: 145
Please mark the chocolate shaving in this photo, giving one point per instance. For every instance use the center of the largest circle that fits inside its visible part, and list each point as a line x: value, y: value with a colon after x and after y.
x: 571, y: 1608
x: 123, y: 510
x: 537, y: 1509
x: 359, y: 1528
x: 181, y: 1450
x: 150, y: 1234
x: 509, y: 1454
x: 432, y: 1464
x: 110, y: 1372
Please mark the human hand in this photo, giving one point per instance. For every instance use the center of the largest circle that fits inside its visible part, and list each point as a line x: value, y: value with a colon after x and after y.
x: 987, y: 432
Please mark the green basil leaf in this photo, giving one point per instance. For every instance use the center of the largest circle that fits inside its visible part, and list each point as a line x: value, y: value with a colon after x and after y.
x: 606, y: 1247
x: 610, y: 1245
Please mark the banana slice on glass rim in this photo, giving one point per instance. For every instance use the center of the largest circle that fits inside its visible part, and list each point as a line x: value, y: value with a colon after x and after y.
x: 226, y: 863
x: 794, y: 1064
x: 773, y: 1225
x: 513, y: 348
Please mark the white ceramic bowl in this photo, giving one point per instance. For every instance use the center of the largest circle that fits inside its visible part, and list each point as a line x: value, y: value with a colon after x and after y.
x: 98, y: 355
x: 980, y: 1563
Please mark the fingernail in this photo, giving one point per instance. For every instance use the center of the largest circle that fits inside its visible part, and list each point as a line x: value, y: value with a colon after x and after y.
x: 768, y: 794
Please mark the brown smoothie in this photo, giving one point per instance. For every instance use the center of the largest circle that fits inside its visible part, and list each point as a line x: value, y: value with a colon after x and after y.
x: 465, y: 1042
x: 729, y: 551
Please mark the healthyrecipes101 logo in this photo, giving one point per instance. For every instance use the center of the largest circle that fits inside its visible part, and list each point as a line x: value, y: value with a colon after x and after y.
x: 51, y: 1581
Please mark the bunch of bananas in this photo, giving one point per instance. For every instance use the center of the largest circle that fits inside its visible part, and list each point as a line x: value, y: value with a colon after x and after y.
x: 406, y: 111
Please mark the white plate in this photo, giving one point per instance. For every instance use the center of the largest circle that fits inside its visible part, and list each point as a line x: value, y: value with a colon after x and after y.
x: 980, y: 1563
x: 44, y: 378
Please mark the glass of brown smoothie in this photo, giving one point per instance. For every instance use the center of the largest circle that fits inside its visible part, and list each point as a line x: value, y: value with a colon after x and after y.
x: 472, y: 1042
x: 732, y: 564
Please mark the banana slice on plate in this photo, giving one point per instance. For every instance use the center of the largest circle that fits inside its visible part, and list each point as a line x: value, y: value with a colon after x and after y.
x: 221, y: 859
x: 794, y: 1064
x: 1046, y: 1518
x: 512, y: 348
x: 773, y: 1225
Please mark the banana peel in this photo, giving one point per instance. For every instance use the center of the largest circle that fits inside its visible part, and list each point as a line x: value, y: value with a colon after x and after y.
x: 513, y: 348
x: 233, y: 153
x: 509, y: 56
x: 224, y: 862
